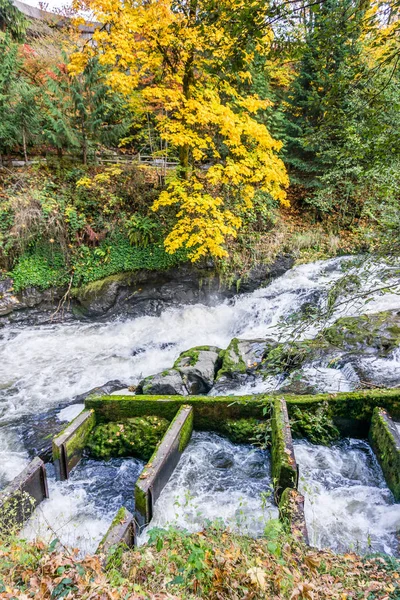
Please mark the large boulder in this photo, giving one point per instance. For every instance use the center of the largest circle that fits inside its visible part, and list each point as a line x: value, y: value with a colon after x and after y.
x: 244, y: 356
x: 198, y: 367
x: 168, y: 382
x: 377, y: 334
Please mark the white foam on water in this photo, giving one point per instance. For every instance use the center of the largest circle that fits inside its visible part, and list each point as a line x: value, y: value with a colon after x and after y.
x: 13, y: 457
x: 328, y: 380
x: 348, y: 505
x: 79, y: 511
x: 216, y: 480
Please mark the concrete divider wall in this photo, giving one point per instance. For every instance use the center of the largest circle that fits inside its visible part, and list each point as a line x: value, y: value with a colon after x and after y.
x: 283, y: 463
x: 348, y: 409
x: 20, y: 498
x: 121, y: 531
x: 160, y: 467
x: 385, y: 441
x: 291, y: 512
x: 209, y: 411
x: 68, y: 445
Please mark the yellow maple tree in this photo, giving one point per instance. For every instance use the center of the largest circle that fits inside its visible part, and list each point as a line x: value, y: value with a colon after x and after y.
x: 186, y: 61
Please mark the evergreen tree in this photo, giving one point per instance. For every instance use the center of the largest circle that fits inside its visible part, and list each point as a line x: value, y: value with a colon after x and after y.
x: 320, y: 98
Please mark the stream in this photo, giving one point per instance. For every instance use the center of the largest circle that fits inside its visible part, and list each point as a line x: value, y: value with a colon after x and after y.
x: 44, y: 368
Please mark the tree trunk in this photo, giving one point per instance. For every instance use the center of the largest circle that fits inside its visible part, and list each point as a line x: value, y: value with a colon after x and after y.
x: 24, y: 145
x: 84, y: 143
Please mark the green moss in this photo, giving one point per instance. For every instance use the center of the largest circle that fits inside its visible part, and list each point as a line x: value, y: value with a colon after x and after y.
x: 247, y: 431
x: 283, y: 468
x: 210, y: 412
x: 94, y: 288
x: 193, y: 355
x: 231, y: 360
x: 131, y: 437
x: 141, y: 501
x: 76, y: 443
x: 317, y: 426
x: 186, y: 431
x: 386, y: 444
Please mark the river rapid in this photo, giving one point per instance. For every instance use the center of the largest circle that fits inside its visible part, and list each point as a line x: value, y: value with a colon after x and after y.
x: 46, y: 367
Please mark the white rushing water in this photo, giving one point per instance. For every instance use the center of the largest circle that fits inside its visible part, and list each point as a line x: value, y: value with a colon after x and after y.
x: 79, y: 511
x: 216, y: 480
x: 42, y: 367
x: 348, y: 505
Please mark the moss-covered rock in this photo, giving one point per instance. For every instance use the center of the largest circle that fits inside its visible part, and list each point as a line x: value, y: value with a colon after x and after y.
x: 138, y: 437
x: 247, y: 431
x: 379, y: 333
x: 169, y: 381
x: 243, y: 356
x: 198, y: 367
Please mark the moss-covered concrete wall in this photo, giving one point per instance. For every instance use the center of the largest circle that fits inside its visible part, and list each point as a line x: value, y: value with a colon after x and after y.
x: 161, y: 465
x: 20, y: 498
x: 385, y: 441
x: 283, y: 462
x: 121, y: 532
x: 209, y: 412
x: 70, y: 443
x: 349, y: 410
x: 291, y: 512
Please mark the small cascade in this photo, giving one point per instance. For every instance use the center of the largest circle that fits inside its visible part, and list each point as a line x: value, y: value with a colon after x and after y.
x: 348, y: 504
x: 217, y: 481
x: 80, y: 509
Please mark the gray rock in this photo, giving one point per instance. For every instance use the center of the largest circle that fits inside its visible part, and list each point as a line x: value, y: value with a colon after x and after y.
x: 132, y: 294
x: 198, y: 367
x: 244, y: 356
x: 298, y: 383
x: 168, y: 382
x: 102, y: 390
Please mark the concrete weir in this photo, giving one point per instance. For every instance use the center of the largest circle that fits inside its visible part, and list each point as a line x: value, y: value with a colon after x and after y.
x: 68, y: 445
x: 20, y: 498
x: 162, y: 464
x: 121, y: 531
